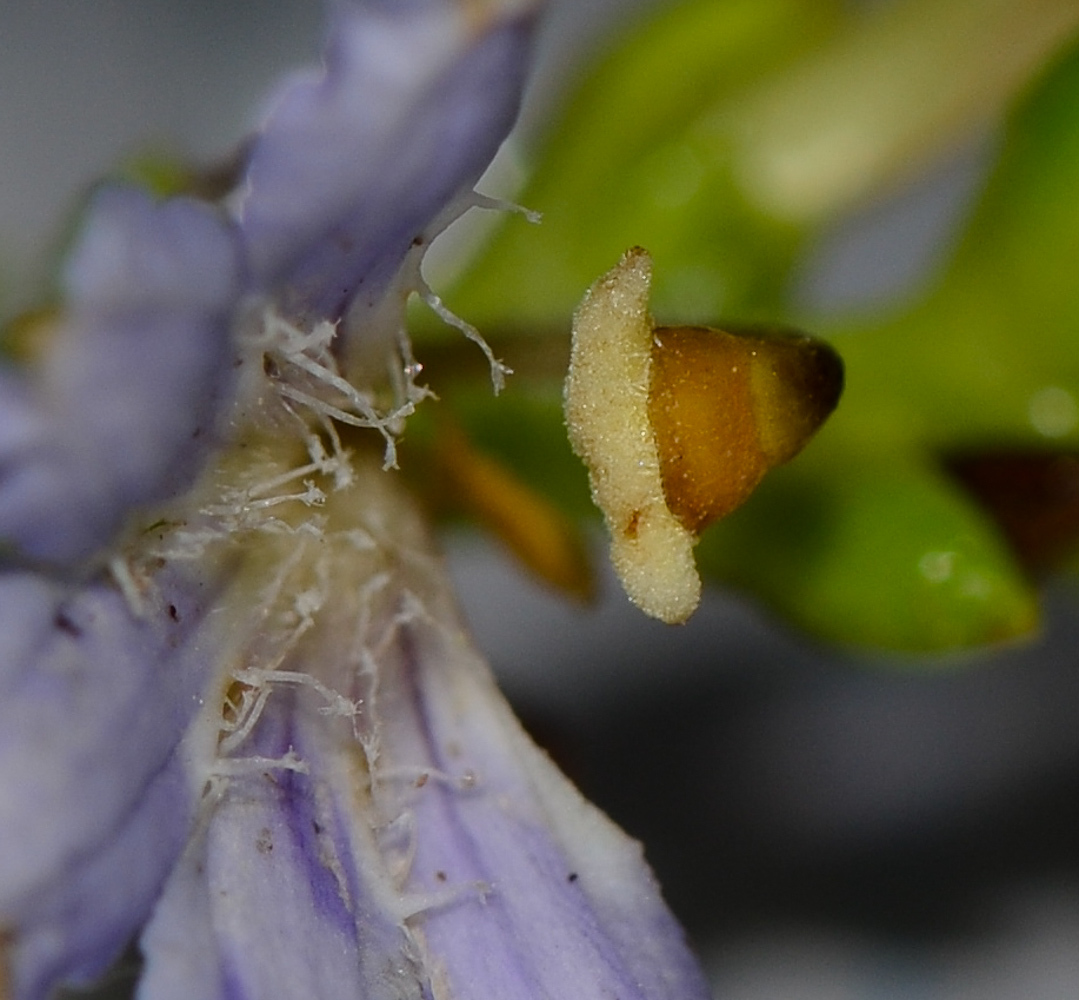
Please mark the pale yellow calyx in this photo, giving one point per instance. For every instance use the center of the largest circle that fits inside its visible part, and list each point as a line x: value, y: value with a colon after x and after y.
x: 606, y: 404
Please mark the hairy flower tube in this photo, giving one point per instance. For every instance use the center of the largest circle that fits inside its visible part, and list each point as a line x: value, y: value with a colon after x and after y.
x: 240, y: 720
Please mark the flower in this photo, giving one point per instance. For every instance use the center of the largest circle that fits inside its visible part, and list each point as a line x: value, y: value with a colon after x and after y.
x: 240, y: 718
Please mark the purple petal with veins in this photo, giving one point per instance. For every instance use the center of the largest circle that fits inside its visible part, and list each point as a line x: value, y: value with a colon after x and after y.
x: 570, y: 907
x: 123, y: 406
x: 268, y: 902
x: 384, y: 827
x: 355, y: 162
x: 94, y: 808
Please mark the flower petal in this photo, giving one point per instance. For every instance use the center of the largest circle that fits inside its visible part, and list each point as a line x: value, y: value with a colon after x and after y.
x: 572, y: 908
x: 355, y: 162
x: 74, y: 928
x: 266, y: 903
x: 126, y: 399
x: 387, y: 828
x: 94, y: 803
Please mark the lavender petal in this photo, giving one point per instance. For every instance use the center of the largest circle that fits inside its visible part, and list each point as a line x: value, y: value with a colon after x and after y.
x: 123, y: 408
x: 385, y: 828
x: 94, y: 802
x: 356, y: 161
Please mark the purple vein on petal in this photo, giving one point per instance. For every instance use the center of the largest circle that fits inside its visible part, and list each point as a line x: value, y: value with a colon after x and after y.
x: 570, y: 905
x: 94, y: 801
x: 427, y: 847
x: 270, y: 901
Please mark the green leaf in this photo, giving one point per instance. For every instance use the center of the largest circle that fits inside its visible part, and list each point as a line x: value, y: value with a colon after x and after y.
x: 638, y: 159
x: 989, y: 359
x: 877, y: 555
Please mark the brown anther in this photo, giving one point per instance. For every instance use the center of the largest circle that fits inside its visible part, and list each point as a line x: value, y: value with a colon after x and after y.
x: 726, y: 407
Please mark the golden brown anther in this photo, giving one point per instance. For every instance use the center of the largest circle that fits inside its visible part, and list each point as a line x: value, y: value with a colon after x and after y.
x: 726, y: 407
x: 678, y: 425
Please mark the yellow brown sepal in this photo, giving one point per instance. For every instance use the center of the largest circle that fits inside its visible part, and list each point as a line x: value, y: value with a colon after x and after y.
x: 677, y: 426
x: 26, y: 338
x: 546, y: 541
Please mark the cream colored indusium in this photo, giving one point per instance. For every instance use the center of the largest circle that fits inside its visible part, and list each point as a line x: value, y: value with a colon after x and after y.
x: 606, y: 404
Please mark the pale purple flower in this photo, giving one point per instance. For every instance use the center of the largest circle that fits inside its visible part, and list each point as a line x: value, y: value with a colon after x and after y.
x: 239, y: 717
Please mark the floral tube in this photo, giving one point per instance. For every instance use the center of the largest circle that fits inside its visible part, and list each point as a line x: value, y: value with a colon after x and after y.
x: 384, y: 827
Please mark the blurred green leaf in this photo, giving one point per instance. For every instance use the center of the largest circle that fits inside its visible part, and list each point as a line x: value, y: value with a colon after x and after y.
x: 879, y: 554
x: 522, y: 428
x: 865, y: 539
x: 990, y: 358
x: 636, y: 161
